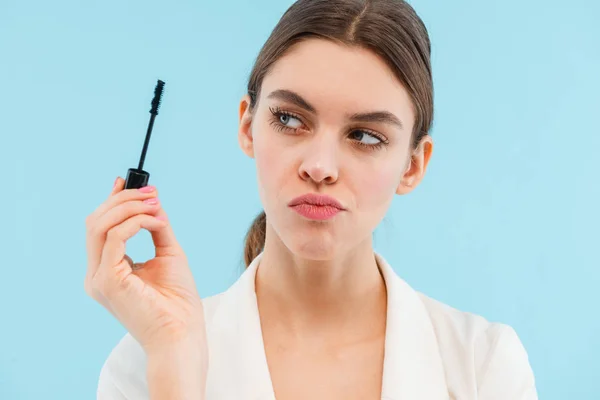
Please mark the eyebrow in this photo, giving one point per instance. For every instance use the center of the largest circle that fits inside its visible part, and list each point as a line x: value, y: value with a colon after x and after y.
x: 289, y: 96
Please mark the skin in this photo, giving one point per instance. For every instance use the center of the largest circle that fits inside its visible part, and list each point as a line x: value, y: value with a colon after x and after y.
x: 321, y: 298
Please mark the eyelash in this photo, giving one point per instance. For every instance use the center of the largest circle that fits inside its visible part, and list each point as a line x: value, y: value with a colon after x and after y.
x: 278, y: 113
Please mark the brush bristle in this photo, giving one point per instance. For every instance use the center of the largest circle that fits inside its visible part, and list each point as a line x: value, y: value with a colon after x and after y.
x: 158, y: 91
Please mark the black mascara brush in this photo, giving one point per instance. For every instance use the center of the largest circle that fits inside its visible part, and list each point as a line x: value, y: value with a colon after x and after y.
x: 137, y: 177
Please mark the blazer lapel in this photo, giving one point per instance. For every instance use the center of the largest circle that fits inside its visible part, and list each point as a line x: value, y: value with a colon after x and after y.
x: 237, y: 359
x: 238, y: 366
x: 412, y: 366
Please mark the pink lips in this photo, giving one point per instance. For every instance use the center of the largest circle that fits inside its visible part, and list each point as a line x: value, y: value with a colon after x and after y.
x: 317, y: 207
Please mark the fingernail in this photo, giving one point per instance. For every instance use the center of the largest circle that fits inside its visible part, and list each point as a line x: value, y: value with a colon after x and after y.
x: 152, y: 200
x: 146, y: 189
x: 116, y: 181
x: 161, y: 217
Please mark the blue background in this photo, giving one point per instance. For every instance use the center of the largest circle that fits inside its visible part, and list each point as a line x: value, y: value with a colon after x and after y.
x: 505, y: 224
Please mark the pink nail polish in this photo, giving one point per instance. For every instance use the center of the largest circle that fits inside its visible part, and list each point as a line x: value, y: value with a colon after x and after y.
x: 147, y: 189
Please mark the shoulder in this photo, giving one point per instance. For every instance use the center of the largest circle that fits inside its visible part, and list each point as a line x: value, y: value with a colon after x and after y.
x: 123, y: 374
x: 494, y: 357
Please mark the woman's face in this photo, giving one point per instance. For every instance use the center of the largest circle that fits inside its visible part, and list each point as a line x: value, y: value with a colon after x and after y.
x: 335, y: 121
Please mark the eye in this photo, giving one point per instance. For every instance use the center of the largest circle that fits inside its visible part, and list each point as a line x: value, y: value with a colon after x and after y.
x: 370, y: 138
x: 285, y: 119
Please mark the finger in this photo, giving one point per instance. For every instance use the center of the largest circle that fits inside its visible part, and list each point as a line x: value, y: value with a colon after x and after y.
x: 96, y: 236
x: 118, y: 186
x: 165, y: 242
x: 129, y: 261
x: 134, y: 266
x: 101, y: 209
x: 118, y: 196
x: 116, y: 238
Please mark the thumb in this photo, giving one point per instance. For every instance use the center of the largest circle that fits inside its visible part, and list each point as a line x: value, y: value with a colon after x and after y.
x: 164, y: 239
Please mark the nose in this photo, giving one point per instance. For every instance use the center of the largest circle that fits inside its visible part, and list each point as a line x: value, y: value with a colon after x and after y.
x: 320, y: 160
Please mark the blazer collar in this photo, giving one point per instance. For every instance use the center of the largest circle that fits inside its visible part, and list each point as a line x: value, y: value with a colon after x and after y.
x: 412, y: 369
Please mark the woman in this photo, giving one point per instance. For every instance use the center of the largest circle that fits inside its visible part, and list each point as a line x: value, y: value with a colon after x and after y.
x: 337, y: 115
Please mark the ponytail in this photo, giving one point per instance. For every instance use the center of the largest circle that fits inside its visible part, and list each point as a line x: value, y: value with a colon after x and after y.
x: 254, y: 242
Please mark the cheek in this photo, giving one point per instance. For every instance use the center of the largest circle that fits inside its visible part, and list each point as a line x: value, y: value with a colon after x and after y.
x: 376, y: 189
x: 270, y: 166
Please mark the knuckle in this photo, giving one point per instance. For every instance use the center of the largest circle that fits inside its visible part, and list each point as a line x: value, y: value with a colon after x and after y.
x: 99, y: 284
x: 136, y: 219
x: 90, y: 287
x: 89, y: 221
x: 113, y: 233
x: 95, y: 285
x: 117, y: 232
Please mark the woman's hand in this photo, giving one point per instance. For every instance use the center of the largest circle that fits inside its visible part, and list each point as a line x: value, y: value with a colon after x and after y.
x: 156, y: 301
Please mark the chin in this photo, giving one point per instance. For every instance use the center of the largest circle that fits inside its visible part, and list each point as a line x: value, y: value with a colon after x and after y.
x: 311, y: 240
x: 315, y: 248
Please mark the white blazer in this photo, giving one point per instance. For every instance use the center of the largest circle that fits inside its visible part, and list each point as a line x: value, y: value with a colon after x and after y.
x: 432, y: 351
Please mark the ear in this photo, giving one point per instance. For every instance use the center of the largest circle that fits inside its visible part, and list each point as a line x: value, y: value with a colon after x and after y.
x: 418, y: 162
x: 245, y: 128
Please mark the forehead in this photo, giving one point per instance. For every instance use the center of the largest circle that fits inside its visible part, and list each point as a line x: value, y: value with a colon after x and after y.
x: 333, y: 75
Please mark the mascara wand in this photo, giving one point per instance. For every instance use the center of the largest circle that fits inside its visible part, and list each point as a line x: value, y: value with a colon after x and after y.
x: 137, y: 177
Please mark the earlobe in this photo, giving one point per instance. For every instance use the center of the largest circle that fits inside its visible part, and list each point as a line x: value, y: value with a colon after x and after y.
x: 245, y: 138
x: 407, y: 180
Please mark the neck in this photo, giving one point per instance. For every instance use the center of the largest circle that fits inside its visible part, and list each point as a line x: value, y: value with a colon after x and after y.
x: 342, y: 298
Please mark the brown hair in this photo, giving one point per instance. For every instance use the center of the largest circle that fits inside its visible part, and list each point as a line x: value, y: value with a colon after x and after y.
x: 389, y: 28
